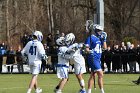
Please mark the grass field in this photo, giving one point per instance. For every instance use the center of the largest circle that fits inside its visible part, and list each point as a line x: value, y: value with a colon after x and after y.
x: 113, y: 83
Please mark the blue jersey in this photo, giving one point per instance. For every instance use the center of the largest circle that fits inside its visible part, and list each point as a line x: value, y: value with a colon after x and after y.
x: 94, y: 44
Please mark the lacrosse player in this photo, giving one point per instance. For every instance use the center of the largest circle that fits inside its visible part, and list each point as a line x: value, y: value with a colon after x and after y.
x: 62, y: 66
x: 35, y: 52
x: 94, y: 50
x: 79, y: 62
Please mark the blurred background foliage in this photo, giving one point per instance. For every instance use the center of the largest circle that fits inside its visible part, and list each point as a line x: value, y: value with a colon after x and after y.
x: 17, y: 17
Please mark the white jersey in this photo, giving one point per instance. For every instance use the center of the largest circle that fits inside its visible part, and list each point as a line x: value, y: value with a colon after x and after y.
x: 61, y: 59
x: 63, y: 63
x: 34, y: 50
x: 79, y: 61
x: 76, y: 54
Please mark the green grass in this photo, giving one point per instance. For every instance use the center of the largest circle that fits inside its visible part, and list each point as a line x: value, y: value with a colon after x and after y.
x: 113, y: 83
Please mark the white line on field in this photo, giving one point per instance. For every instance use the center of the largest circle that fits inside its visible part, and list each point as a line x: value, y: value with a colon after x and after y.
x: 12, y: 88
x: 17, y: 87
x: 114, y: 81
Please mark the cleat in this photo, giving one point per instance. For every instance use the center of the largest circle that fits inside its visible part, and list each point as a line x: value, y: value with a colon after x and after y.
x: 82, y: 91
x: 58, y: 91
x: 135, y: 82
x: 38, y: 90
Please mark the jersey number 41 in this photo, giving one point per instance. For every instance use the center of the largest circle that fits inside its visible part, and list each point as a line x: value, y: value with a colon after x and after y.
x: 32, y: 50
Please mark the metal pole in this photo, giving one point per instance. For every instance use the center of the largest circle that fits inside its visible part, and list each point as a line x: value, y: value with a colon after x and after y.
x: 100, y: 12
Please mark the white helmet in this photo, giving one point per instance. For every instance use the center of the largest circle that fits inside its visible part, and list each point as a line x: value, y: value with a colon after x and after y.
x: 69, y: 39
x: 60, y: 41
x: 98, y: 27
x: 39, y: 35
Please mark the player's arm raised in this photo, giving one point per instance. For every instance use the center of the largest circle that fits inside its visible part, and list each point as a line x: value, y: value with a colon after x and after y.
x: 103, y: 38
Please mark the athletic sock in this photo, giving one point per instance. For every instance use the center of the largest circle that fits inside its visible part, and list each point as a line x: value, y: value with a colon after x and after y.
x: 89, y: 91
x: 59, y: 90
x: 82, y: 83
x: 102, y: 90
x: 29, y: 90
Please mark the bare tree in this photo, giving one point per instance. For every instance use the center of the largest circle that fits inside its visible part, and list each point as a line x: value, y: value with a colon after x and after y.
x: 50, y: 15
x: 120, y: 13
x: 25, y: 16
x: 7, y: 22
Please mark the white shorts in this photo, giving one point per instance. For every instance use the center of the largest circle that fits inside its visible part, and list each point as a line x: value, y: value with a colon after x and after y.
x: 79, y: 59
x: 62, y: 72
x: 79, y: 65
x: 35, y: 68
x: 79, y: 69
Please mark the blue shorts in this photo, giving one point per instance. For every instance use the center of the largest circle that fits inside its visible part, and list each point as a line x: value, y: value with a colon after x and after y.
x: 94, y: 64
